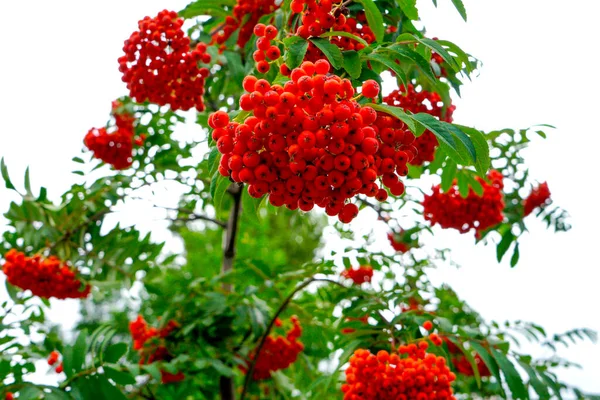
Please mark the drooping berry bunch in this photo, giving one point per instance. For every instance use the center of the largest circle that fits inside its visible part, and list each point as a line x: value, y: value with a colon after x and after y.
x: 45, y: 277
x: 539, y: 197
x: 278, y: 352
x: 53, y: 359
x: 421, y: 102
x: 412, y: 373
x: 266, y: 50
x: 450, y: 210
x: 159, y: 66
x: 359, y: 275
x: 151, y: 345
x: 309, y: 143
x: 114, y: 145
x: 253, y: 10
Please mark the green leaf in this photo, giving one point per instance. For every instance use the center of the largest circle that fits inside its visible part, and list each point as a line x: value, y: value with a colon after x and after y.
x: 114, y: 352
x: 352, y: 63
x: 539, y: 387
x: 482, y: 149
x: 29, y: 393
x: 235, y: 65
x: 213, y: 161
x: 463, y: 185
x: 78, y: 160
x: 345, y: 34
x: 488, y: 360
x: 400, y: 74
x: 418, y: 59
x: 469, y: 358
x: 505, y: 242
x: 119, y: 377
x: 5, y: 176
x: 74, y: 356
x: 409, y: 8
x: 511, y: 375
x: 221, y: 187
x: 460, y: 54
x: 251, y: 204
x: 109, y: 391
x: 374, y: 18
x: 515, y: 256
x: 153, y: 370
x: 205, y: 7
x: 331, y: 51
x: 27, y: 182
x: 295, y: 51
x: 448, y: 175
x: 461, y: 8
x: 221, y: 368
x: 398, y: 113
x: 475, y: 185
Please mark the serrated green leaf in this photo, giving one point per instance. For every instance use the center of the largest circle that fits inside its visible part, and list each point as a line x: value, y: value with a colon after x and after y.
x: 352, y: 63
x: 460, y: 7
x: 374, y: 19
x: 398, y: 113
x: 114, y: 352
x: 505, y: 242
x: 296, y: 49
x: 331, y: 51
x: 511, y: 375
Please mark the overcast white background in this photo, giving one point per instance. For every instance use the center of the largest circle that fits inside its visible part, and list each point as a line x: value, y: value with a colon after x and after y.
x: 58, y: 74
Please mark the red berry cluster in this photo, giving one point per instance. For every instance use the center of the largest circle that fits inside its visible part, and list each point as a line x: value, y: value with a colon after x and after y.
x: 412, y: 373
x: 159, y: 66
x: 151, y: 345
x: 397, y: 243
x: 251, y: 9
x: 48, y: 277
x: 115, y: 147
x: 309, y: 143
x: 53, y: 359
x: 462, y: 365
x: 278, y: 352
x: 421, y: 102
x: 359, y: 275
x: 539, y: 197
x: 450, y: 210
x: 266, y: 50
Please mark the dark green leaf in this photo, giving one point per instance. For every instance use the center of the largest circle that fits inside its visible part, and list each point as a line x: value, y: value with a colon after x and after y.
x: 119, y: 377
x: 469, y: 358
x: 388, y: 62
x: 235, y: 65
x: 27, y: 182
x: 409, y: 8
x: 295, y: 52
x: 511, y: 375
x: 505, y: 242
x: 29, y: 393
x: 462, y: 56
x: 482, y: 149
x: 448, y: 175
x: 251, y: 205
x: 5, y: 176
x: 418, y: 59
x: 487, y: 359
x: 515, y: 256
x: 114, y: 352
x: 205, y: 7
x: 461, y: 8
x: 463, y: 184
x: 475, y: 185
x: 352, y: 63
x: 539, y: 387
x: 109, y: 392
x: 331, y: 51
x: 374, y: 18
x: 78, y: 160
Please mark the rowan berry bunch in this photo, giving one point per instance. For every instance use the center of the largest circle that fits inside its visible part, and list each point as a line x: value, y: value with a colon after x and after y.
x: 412, y: 373
x: 360, y: 275
x: 450, y: 210
x: 151, y: 345
x: 421, y: 102
x: 539, y: 197
x: 53, y: 360
x: 251, y: 9
x: 309, y: 143
x: 45, y: 277
x: 278, y: 352
x: 266, y: 50
x: 159, y: 66
x: 114, y: 145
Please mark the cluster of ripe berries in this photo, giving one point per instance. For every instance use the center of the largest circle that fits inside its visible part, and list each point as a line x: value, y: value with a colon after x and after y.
x: 412, y: 373
x: 53, y: 359
x: 309, y: 143
x: 151, y: 345
x: 114, y: 145
x: 252, y: 10
x: 45, y: 277
x: 160, y: 67
x: 450, y: 210
x: 266, y: 50
x: 462, y: 364
x: 278, y: 352
x: 421, y: 102
x: 539, y: 197
x: 360, y: 275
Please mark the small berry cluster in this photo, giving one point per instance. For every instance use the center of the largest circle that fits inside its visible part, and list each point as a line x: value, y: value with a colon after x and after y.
x: 266, y: 50
x: 309, y: 143
x: 48, y: 277
x: 115, y: 147
x: 362, y: 274
x: 539, y: 197
x: 151, y: 345
x: 278, y: 352
x: 397, y: 243
x: 159, y: 66
x: 53, y: 359
x: 450, y: 210
x: 251, y: 9
x: 421, y: 102
x: 391, y: 376
x: 462, y: 364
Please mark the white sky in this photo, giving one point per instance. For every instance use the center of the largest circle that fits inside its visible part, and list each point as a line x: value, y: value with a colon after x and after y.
x: 59, y: 73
